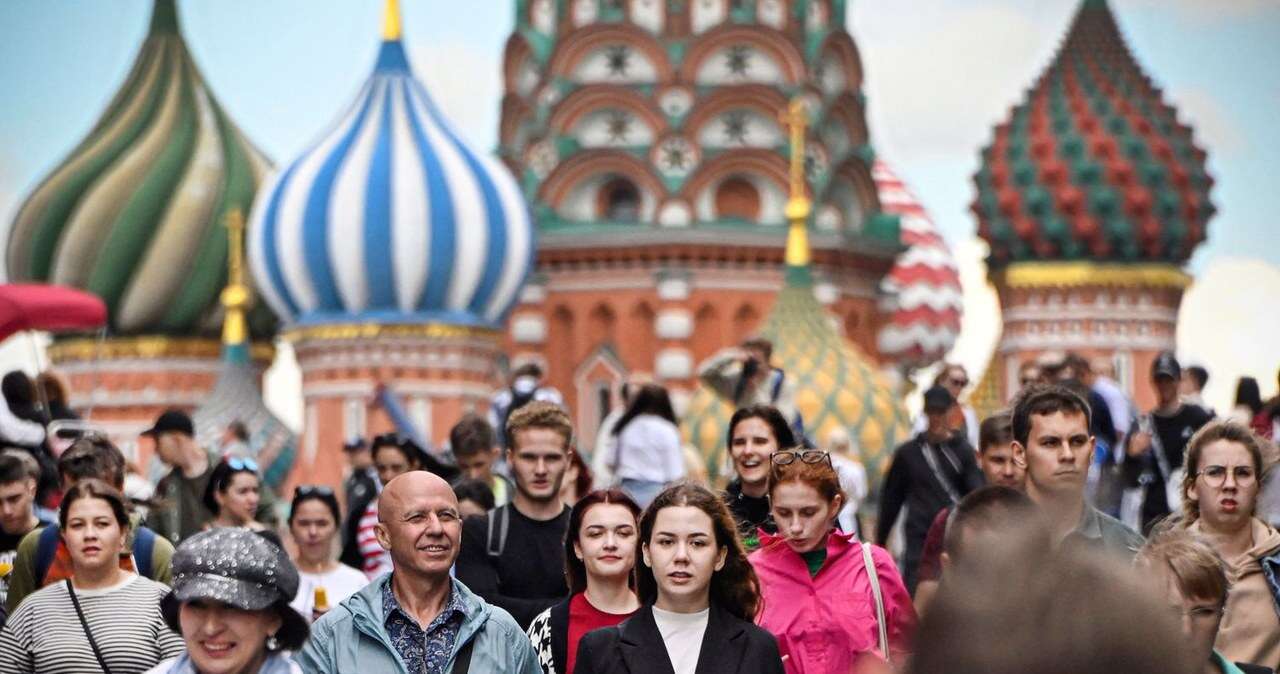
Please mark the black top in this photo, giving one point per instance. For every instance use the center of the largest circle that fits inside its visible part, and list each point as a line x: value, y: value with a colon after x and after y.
x: 749, y: 513
x: 912, y: 481
x: 529, y: 575
x: 1174, y: 430
x: 729, y: 646
x: 360, y: 488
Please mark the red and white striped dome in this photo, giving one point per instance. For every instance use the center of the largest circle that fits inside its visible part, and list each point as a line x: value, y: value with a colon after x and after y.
x: 922, y: 294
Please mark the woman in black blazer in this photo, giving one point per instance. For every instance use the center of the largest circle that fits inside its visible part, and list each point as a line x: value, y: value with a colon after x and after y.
x: 700, y: 597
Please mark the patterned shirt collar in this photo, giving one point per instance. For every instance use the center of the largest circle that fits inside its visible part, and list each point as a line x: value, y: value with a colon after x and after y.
x: 391, y: 605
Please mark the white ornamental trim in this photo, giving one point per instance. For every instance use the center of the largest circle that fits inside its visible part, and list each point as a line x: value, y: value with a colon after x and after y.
x: 529, y: 329
x: 673, y: 363
x: 674, y: 324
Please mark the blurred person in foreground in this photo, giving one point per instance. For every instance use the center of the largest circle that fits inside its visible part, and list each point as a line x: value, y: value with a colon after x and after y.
x: 418, y: 618
x: 1051, y: 438
x: 929, y: 472
x: 1015, y: 607
x: 995, y: 458
x: 1194, y: 578
x: 230, y: 603
x: 1225, y: 466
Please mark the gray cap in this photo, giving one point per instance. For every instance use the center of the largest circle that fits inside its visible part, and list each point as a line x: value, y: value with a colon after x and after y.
x: 239, y: 568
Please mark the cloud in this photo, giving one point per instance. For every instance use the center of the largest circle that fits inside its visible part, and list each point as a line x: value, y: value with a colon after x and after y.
x: 980, y: 327
x: 1215, y: 127
x: 1228, y: 323
x: 466, y: 82
x: 941, y: 76
x: 1202, y: 10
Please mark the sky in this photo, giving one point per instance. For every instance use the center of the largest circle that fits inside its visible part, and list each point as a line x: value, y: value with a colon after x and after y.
x: 939, y: 75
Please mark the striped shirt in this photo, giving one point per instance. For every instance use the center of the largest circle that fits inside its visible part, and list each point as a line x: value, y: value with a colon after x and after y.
x: 376, y: 561
x: 44, y: 635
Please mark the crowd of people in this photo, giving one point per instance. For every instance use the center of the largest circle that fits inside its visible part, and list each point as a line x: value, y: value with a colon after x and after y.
x: 1067, y: 533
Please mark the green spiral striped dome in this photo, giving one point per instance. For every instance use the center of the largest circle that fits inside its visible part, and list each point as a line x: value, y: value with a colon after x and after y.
x: 134, y: 214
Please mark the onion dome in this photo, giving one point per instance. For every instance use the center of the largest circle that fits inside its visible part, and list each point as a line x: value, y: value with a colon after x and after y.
x: 236, y: 396
x: 837, y: 386
x: 923, y: 300
x: 1093, y: 164
x: 131, y: 214
x: 391, y: 217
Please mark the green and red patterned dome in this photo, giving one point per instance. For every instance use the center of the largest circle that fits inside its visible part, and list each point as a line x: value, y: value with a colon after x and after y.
x: 135, y: 213
x: 1093, y: 164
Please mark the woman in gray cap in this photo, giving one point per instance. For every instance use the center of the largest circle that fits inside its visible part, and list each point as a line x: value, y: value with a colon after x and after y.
x: 230, y: 603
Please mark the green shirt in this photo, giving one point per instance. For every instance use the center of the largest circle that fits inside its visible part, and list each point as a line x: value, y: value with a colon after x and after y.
x: 814, y: 559
x: 1224, y: 664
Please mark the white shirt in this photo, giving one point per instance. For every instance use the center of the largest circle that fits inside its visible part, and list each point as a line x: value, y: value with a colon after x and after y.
x: 682, y: 634
x: 648, y: 449
x: 853, y: 481
x: 338, y: 584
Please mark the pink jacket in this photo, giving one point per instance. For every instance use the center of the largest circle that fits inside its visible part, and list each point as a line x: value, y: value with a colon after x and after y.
x: 823, y: 623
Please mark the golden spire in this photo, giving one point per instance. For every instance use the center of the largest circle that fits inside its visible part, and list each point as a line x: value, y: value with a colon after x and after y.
x: 796, y: 119
x: 235, y: 297
x: 391, y: 21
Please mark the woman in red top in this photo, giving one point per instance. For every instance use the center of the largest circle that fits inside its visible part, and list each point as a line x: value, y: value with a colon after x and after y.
x: 600, y: 555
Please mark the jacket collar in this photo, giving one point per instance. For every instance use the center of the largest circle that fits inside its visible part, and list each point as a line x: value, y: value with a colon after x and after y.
x: 366, y: 609
x: 836, y: 540
x: 639, y: 640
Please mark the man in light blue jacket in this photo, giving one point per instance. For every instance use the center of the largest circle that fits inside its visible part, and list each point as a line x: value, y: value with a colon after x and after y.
x: 381, y: 628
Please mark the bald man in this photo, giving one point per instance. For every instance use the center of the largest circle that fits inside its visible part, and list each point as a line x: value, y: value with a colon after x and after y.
x: 418, y: 618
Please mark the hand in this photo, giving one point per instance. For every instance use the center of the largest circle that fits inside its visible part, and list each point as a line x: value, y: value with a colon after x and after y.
x: 1139, y: 443
x: 317, y: 612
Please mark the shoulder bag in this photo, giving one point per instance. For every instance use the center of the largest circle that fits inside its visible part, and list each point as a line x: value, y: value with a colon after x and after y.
x: 879, y: 598
x: 97, y: 653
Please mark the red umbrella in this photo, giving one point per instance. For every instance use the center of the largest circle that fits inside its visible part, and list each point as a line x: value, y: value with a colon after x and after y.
x: 48, y: 307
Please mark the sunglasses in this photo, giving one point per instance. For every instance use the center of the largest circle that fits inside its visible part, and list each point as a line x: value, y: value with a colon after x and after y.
x: 238, y: 463
x: 312, y: 490
x: 787, y: 457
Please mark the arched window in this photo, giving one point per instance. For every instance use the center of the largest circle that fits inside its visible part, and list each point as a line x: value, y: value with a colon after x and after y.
x: 738, y: 199
x: 619, y: 200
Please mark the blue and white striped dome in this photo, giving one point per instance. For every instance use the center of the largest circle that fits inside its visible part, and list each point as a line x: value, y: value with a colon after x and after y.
x: 391, y: 218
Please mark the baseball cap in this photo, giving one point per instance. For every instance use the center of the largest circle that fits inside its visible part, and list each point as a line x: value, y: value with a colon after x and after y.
x: 172, y: 420
x: 938, y: 399
x: 1166, y: 365
x: 354, y: 444
x: 238, y: 568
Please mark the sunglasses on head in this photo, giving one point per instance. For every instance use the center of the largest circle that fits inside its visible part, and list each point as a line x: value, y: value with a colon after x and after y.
x: 239, y: 463
x: 787, y: 457
x: 312, y: 490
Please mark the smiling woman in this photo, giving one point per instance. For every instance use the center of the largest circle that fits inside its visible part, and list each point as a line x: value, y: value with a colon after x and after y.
x: 104, y: 618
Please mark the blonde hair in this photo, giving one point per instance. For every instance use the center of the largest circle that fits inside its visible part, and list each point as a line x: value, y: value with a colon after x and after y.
x: 1196, y: 567
x: 1209, y: 433
x: 541, y: 414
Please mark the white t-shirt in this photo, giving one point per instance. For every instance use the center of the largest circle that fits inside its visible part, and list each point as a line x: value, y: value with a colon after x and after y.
x: 682, y: 633
x: 648, y: 449
x: 338, y: 584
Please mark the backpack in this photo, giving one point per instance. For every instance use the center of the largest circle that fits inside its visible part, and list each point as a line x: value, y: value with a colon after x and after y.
x: 498, y: 521
x: 144, y: 542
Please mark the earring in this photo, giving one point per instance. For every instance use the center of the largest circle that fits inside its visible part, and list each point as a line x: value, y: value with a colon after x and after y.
x: 273, y: 644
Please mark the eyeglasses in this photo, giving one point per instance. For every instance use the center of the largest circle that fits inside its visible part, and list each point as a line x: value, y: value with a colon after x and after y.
x: 238, y: 463
x: 1216, y: 476
x: 787, y: 457
x: 312, y: 490
x: 959, y: 382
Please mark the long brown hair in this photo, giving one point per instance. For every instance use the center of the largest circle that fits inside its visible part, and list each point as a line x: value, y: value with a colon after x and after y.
x: 575, y: 570
x: 734, y: 587
x: 1208, y: 434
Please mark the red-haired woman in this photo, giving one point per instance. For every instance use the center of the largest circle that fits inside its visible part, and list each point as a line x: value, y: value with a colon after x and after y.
x: 600, y: 555
x: 699, y: 593
x: 827, y: 597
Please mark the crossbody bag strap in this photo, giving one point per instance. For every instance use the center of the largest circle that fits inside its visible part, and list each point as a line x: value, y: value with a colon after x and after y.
x: 875, y: 592
x: 462, y: 663
x: 932, y: 460
x: 97, y: 653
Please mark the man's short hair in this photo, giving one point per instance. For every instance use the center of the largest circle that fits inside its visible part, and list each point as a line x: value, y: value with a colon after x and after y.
x: 472, y: 435
x: 527, y: 370
x: 996, y: 429
x: 1195, y: 566
x: 14, y: 466
x: 763, y: 345
x: 1043, y: 400
x: 990, y: 509
x: 92, y: 456
x: 1199, y: 374
x: 540, y: 414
